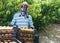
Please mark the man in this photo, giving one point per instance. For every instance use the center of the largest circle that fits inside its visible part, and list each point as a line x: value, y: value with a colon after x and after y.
x: 22, y: 19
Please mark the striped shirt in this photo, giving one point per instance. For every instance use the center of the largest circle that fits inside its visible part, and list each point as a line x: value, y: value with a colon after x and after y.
x: 21, y: 21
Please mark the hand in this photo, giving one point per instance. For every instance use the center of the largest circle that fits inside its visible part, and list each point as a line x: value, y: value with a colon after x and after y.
x: 10, y: 25
x: 32, y: 27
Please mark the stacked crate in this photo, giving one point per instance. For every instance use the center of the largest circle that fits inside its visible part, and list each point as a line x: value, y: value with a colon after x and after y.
x: 7, y: 34
x: 9, y: 41
x: 26, y: 35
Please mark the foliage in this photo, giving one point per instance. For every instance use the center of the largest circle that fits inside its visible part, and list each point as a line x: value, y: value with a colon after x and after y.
x: 44, y: 12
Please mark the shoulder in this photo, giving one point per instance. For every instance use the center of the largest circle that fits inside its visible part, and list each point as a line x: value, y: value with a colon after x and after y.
x: 17, y: 14
x: 30, y: 16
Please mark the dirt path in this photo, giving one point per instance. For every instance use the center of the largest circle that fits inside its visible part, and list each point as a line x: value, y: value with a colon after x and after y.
x: 52, y: 35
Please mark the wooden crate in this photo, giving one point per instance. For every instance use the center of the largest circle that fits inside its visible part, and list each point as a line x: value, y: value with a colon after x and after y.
x: 11, y: 40
x: 7, y: 32
x: 26, y: 34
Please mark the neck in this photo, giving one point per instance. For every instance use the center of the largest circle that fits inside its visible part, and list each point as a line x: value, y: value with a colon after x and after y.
x: 24, y: 13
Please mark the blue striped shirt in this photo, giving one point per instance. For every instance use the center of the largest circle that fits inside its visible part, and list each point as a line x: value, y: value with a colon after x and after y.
x: 21, y: 21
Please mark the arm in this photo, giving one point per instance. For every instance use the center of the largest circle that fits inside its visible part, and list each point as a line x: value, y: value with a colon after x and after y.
x: 13, y: 20
x: 30, y: 22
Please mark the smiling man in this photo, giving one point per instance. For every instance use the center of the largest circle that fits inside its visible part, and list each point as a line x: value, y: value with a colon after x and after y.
x: 22, y: 19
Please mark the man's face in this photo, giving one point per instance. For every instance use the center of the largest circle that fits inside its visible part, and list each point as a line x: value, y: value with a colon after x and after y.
x: 24, y: 8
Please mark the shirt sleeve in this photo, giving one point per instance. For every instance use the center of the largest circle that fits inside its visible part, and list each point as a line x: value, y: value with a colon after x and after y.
x: 30, y: 22
x: 13, y: 20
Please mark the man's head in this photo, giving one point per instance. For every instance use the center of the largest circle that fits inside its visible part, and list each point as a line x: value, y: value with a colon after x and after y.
x: 24, y: 6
